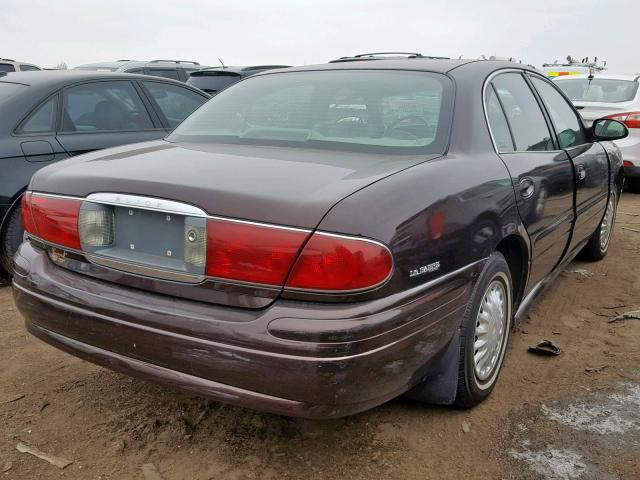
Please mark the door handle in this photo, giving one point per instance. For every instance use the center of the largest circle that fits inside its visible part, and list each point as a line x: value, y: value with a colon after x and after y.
x: 581, y: 173
x: 527, y: 187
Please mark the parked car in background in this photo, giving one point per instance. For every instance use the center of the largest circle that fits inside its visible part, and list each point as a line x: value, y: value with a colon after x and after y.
x: 8, y: 65
x: 573, y: 67
x: 174, y: 69
x: 315, y: 241
x: 611, y: 96
x: 215, y: 79
x: 51, y: 115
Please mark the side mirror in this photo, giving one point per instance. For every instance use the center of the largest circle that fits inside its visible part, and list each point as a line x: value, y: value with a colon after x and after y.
x: 608, y: 129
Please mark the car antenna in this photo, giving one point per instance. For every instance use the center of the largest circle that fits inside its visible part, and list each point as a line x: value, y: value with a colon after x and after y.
x: 223, y: 65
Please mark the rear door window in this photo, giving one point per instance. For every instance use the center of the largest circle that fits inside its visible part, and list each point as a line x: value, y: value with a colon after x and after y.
x: 104, y: 106
x: 29, y: 68
x: 43, y: 119
x: 498, y: 122
x: 563, y: 116
x: 7, y: 67
x: 176, y: 102
x: 529, y: 128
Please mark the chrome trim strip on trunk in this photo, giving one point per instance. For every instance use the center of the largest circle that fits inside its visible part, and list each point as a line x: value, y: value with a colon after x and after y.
x: 140, y: 269
x: 146, y: 203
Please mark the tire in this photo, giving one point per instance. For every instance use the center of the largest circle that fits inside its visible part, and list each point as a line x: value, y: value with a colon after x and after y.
x: 10, y: 239
x: 476, y: 379
x: 598, y: 245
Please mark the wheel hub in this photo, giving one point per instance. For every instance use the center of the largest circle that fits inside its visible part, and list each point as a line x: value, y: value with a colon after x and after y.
x: 490, y: 330
x: 606, y: 227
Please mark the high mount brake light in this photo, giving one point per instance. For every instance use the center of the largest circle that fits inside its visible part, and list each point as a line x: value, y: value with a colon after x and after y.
x: 337, y: 263
x: 630, y: 119
x: 232, y: 250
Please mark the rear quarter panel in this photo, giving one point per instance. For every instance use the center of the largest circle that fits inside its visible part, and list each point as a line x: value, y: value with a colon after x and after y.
x: 445, y: 213
x: 437, y: 217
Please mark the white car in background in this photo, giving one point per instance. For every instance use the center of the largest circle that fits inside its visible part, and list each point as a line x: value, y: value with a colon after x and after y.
x: 8, y: 65
x: 610, y: 96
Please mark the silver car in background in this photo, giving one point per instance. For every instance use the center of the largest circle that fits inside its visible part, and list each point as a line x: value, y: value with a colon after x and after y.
x: 610, y: 96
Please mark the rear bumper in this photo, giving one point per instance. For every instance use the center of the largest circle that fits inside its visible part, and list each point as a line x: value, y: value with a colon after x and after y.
x: 293, y: 358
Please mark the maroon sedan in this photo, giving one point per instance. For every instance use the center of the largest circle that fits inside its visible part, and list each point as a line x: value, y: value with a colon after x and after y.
x: 316, y: 241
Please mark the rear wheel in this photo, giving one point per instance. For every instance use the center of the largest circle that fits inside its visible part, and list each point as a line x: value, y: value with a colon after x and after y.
x: 598, y: 245
x: 484, y: 332
x: 10, y: 239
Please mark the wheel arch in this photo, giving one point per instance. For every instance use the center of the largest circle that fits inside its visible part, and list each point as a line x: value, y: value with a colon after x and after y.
x: 15, y: 201
x: 516, y: 253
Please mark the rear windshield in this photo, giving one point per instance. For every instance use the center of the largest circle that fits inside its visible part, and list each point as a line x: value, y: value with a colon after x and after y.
x: 601, y: 90
x: 8, y: 90
x: 360, y: 110
x: 212, y: 82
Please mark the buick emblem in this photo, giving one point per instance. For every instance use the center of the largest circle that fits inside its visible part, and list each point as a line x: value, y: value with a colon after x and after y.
x: 192, y: 236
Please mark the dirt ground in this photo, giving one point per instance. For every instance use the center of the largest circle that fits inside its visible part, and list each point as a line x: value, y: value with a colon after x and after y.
x: 575, y: 416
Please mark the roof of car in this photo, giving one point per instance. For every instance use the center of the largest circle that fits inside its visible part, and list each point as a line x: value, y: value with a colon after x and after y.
x: 10, y: 60
x: 606, y: 76
x: 241, y: 69
x: 438, y: 65
x: 63, y: 77
x: 141, y: 63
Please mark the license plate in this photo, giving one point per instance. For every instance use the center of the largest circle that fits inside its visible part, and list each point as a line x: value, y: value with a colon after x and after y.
x: 157, y: 240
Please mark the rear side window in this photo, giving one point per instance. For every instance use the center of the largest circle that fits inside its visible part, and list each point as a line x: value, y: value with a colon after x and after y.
x: 498, y: 122
x: 529, y: 128
x: 29, y: 68
x: 564, y: 118
x: 164, y: 73
x: 43, y: 119
x: 7, y: 67
x: 176, y: 102
x: 104, y: 106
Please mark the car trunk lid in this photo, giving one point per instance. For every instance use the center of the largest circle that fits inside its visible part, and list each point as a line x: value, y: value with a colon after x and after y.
x: 269, y: 185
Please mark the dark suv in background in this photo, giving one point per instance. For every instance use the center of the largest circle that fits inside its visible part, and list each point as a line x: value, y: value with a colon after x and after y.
x: 174, y: 69
x: 213, y: 80
x: 51, y: 116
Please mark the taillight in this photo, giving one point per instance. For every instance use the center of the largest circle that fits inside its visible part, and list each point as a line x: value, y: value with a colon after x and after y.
x: 251, y: 252
x: 337, y: 263
x: 225, y: 249
x: 627, y: 163
x: 27, y: 217
x: 630, y: 119
x: 52, y: 219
